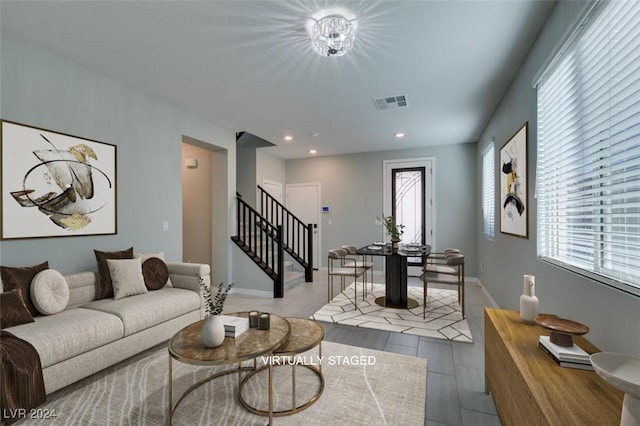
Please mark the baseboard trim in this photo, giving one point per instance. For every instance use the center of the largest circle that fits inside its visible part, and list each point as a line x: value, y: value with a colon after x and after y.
x: 487, y: 295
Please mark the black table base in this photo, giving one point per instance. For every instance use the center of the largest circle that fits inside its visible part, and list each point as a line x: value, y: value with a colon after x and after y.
x: 395, y: 275
x: 411, y: 303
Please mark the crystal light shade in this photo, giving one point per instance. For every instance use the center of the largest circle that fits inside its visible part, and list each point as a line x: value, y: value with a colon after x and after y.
x: 332, y: 36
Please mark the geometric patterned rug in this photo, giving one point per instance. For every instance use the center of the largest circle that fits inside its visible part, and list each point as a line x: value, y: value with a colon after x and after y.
x: 444, y: 317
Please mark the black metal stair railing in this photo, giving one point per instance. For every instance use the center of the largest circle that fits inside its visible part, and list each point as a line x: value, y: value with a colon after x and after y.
x: 298, y: 236
x: 263, y: 243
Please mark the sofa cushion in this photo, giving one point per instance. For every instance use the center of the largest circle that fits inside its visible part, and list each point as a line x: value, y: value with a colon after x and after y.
x: 20, y: 277
x: 104, y: 279
x: 146, y: 310
x: 71, y: 332
x: 49, y: 292
x: 13, y: 311
x: 126, y: 277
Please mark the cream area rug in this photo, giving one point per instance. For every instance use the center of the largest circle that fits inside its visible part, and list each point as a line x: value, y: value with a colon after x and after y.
x: 444, y: 315
x: 362, y: 387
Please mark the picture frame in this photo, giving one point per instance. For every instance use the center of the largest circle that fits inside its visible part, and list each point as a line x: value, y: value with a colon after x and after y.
x: 514, y: 204
x: 55, y: 184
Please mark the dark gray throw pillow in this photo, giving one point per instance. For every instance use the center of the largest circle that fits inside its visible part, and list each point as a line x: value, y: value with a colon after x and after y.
x: 104, y: 278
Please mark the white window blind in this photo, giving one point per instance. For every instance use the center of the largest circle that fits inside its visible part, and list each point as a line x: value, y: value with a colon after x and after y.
x: 589, y: 150
x: 488, y: 192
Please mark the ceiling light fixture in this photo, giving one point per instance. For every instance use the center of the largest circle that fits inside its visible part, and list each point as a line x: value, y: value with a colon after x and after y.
x: 332, y: 35
x: 313, y: 151
x: 288, y: 138
x: 399, y: 135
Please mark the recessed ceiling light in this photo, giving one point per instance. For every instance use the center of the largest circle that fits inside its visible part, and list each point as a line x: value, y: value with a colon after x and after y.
x: 399, y: 135
x: 313, y: 151
x: 288, y: 138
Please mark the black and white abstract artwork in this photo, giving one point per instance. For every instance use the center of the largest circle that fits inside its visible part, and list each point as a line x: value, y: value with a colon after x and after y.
x: 513, y: 185
x: 55, y: 185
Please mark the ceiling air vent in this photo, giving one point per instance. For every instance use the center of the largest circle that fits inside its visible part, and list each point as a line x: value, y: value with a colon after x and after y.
x: 391, y: 102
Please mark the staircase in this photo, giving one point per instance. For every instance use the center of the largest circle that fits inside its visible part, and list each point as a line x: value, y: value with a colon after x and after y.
x: 298, y: 236
x: 266, y: 244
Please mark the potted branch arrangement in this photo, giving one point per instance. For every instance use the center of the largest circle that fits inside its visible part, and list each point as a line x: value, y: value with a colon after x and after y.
x: 394, y: 230
x: 213, y: 329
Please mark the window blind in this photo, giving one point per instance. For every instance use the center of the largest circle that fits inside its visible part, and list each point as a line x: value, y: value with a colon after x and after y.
x: 589, y: 150
x: 488, y: 192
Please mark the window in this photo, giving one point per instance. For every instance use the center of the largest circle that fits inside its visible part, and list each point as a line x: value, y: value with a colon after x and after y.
x: 589, y: 150
x: 488, y: 192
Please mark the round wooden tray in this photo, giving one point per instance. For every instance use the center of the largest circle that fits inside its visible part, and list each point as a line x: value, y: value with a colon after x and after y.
x: 562, y: 330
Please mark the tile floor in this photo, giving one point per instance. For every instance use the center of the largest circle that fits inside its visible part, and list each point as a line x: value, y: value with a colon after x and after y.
x: 455, y: 383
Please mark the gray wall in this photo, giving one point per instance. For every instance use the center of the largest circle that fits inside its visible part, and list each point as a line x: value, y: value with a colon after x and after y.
x: 246, y: 174
x: 352, y: 186
x: 614, y: 318
x: 269, y: 167
x: 43, y: 89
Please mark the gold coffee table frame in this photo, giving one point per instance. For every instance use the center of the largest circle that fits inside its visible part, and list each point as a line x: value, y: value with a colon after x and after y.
x: 305, y: 335
x: 186, y: 347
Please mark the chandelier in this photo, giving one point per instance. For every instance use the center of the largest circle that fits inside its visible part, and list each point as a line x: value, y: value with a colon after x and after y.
x: 332, y: 36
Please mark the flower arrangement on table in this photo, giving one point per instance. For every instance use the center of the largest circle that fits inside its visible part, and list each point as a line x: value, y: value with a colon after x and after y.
x: 394, y: 230
x: 214, y: 305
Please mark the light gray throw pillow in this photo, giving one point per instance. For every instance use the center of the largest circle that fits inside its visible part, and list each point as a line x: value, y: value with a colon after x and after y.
x: 49, y: 292
x: 126, y: 277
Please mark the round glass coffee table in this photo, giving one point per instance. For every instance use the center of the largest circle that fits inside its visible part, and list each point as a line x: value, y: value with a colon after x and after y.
x: 186, y: 347
x: 305, y: 334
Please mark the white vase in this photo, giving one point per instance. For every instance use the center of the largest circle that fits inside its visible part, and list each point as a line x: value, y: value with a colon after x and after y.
x: 213, y: 332
x: 529, y: 304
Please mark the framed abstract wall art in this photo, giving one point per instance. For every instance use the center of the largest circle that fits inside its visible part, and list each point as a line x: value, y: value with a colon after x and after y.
x: 513, y: 185
x: 55, y: 185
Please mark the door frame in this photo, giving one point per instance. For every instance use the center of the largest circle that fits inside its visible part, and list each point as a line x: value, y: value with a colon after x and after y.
x: 318, y: 185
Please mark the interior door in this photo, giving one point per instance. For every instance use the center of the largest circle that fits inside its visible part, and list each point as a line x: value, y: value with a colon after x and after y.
x: 303, y: 200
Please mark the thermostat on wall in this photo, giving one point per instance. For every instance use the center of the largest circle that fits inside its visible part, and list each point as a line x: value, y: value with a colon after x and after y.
x: 326, y: 209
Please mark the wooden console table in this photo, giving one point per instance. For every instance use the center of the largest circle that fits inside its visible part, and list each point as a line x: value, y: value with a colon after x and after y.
x: 529, y: 388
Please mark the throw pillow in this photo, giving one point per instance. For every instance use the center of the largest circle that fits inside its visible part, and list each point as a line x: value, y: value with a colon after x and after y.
x: 160, y: 255
x: 20, y: 277
x: 13, y: 311
x: 126, y: 277
x: 49, y: 292
x: 104, y: 279
x: 155, y: 273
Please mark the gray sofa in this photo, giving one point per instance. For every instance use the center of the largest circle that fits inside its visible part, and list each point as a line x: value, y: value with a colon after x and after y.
x: 90, y: 335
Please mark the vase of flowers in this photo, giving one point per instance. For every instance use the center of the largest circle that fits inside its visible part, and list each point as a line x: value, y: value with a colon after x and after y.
x: 213, y: 329
x: 394, y: 230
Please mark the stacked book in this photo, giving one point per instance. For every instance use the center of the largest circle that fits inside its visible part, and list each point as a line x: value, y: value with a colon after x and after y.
x: 234, y: 326
x: 572, y: 357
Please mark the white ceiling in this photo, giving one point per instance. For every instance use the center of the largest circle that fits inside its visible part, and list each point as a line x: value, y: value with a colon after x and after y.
x: 248, y: 65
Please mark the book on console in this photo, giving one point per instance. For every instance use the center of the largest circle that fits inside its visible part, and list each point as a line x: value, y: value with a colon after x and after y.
x: 581, y: 365
x: 570, y: 354
x: 234, y: 326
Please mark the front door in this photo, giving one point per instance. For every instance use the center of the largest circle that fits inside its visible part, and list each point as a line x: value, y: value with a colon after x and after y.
x: 407, y: 193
